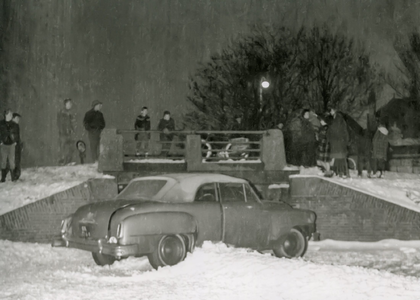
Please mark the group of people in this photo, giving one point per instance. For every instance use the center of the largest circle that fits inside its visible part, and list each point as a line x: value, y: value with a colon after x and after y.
x: 166, y: 126
x: 10, y: 145
x: 94, y: 123
x: 326, y: 141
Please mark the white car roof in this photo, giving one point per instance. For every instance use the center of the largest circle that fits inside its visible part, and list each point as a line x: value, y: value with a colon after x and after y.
x: 181, y: 187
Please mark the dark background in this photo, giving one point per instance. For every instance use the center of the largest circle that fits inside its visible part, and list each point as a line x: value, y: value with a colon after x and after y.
x: 131, y: 53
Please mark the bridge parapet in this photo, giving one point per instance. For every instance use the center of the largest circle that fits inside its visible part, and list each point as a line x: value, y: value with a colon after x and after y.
x: 258, y: 156
x: 265, y: 147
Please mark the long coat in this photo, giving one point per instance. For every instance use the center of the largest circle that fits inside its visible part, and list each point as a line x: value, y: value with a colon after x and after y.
x: 338, y: 137
x: 380, y: 144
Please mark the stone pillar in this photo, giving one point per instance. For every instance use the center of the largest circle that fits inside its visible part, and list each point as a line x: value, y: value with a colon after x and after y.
x: 111, y: 156
x: 193, y: 155
x: 272, y: 150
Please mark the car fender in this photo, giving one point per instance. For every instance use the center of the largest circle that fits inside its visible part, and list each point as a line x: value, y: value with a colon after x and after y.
x: 158, y: 223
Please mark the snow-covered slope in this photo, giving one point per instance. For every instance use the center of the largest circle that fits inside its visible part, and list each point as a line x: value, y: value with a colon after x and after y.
x: 37, y: 183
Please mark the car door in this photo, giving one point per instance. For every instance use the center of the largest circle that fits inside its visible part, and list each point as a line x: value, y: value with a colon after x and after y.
x: 241, y: 218
x: 208, y: 213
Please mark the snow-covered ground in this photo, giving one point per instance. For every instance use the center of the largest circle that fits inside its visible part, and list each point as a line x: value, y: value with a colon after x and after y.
x: 37, y: 183
x: 330, y: 270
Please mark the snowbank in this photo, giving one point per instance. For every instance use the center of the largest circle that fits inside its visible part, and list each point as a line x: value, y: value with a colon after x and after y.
x: 38, y: 183
x: 215, y: 271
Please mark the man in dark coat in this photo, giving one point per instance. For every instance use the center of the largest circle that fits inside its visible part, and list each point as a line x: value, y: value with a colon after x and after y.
x: 9, y: 133
x: 94, y: 123
x: 364, y: 153
x: 66, y: 123
x: 142, y: 124
x: 18, y: 150
x: 307, y: 143
x: 338, y: 139
x: 166, y: 125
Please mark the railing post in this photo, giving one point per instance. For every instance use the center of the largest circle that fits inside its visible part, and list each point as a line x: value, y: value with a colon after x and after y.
x: 272, y: 150
x: 193, y: 155
x: 111, y: 156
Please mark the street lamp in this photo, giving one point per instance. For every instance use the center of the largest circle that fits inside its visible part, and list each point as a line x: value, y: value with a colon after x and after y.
x: 264, y: 83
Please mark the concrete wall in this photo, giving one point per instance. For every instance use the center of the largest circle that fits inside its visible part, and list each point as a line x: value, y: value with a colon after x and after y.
x: 40, y: 221
x: 130, y: 53
x: 350, y: 215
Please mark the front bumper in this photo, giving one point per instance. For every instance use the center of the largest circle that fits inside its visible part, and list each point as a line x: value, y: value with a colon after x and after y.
x: 102, y: 246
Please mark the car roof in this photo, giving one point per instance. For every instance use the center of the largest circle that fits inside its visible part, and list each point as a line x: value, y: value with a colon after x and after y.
x: 201, y: 177
x: 183, y: 186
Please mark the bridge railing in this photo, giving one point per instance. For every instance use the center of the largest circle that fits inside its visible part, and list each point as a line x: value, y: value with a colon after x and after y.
x: 200, y: 150
x: 215, y: 145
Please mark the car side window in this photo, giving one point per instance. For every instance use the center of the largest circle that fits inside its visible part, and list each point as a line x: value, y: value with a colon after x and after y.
x: 206, y: 193
x: 232, y: 192
x: 250, y: 194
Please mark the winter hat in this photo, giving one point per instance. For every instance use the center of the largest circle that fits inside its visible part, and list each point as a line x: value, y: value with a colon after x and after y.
x: 96, y: 102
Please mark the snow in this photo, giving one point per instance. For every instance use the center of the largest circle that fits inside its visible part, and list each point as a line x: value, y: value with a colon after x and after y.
x: 388, y: 269
x: 330, y: 270
x: 157, y: 161
x: 399, y: 188
x: 38, y: 183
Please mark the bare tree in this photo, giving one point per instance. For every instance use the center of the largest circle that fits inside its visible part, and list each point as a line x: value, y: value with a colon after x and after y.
x: 407, y: 82
x: 305, y: 68
x: 336, y: 71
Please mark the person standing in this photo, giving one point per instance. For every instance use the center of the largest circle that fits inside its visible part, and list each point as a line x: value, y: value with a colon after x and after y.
x: 18, y: 149
x: 307, y: 143
x: 323, y: 148
x: 364, y: 153
x: 8, y: 140
x: 166, y: 125
x: 94, y: 123
x: 338, y: 138
x: 142, y: 124
x: 66, y: 123
x: 380, y: 150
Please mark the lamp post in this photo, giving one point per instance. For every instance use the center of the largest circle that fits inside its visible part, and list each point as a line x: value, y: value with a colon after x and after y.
x: 264, y: 84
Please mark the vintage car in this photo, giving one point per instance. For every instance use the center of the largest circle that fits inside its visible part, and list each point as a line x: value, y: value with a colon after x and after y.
x: 164, y: 217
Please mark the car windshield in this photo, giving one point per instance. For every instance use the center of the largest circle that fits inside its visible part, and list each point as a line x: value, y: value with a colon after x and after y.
x: 142, y: 189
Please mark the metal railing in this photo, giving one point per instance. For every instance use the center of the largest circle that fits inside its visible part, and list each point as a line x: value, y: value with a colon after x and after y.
x: 216, y: 145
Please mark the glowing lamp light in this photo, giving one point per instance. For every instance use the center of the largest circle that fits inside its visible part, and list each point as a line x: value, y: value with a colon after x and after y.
x: 264, y: 83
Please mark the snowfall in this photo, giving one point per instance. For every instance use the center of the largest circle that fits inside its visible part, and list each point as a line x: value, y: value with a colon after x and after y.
x: 388, y: 269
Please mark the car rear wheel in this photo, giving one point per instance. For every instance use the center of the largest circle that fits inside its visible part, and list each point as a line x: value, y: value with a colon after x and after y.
x: 292, y: 244
x: 170, y: 251
x: 102, y: 259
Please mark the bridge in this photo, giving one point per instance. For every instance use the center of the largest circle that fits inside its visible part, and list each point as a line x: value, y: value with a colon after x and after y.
x: 257, y: 156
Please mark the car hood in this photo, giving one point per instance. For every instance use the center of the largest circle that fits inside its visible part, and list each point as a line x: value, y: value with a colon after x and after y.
x: 92, y: 220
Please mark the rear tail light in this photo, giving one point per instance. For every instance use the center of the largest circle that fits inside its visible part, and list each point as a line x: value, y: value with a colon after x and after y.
x: 119, y: 231
x: 66, y: 225
x: 311, y: 218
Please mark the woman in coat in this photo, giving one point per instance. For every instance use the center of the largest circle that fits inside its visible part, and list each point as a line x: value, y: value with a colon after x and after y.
x: 380, y: 150
x: 338, y: 139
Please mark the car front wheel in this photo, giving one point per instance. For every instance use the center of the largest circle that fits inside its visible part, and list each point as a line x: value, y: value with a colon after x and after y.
x: 293, y: 244
x: 170, y: 251
x: 102, y: 259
